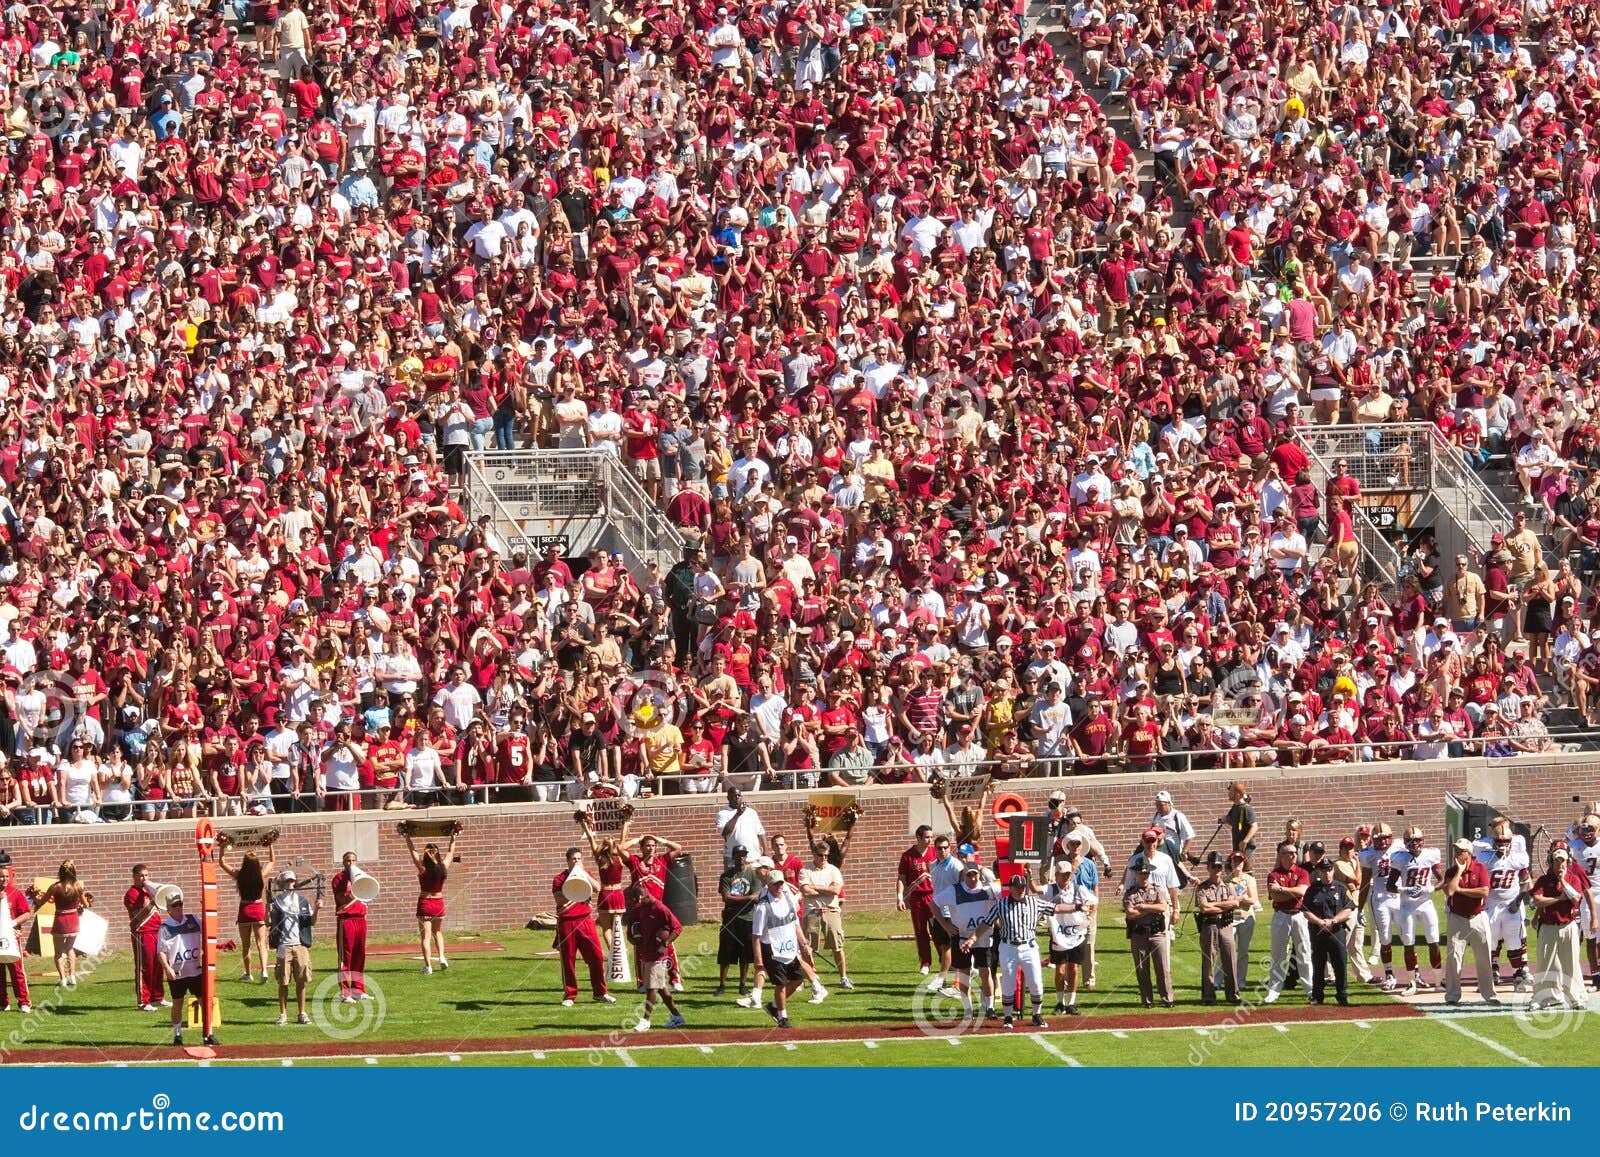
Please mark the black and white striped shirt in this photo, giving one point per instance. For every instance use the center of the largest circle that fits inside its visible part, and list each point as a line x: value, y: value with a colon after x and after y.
x: 1017, y: 921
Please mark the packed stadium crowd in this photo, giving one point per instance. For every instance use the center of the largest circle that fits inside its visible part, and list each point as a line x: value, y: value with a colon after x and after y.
x: 986, y: 447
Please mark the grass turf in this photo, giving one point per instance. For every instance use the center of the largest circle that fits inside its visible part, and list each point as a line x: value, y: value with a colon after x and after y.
x: 515, y: 994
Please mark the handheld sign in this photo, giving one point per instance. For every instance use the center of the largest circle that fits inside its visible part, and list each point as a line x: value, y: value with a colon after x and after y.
x: 608, y: 814
x: 830, y: 808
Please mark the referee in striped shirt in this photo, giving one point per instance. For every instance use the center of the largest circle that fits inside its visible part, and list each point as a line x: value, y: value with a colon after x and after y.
x: 1015, y: 918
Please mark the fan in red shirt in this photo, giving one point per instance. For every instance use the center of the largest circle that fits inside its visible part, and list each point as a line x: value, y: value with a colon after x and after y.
x: 1141, y: 740
x: 1557, y: 896
x: 916, y: 892
x: 649, y: 872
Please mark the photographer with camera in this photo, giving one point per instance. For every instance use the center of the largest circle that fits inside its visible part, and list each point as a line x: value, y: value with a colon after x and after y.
x: 292, y: 918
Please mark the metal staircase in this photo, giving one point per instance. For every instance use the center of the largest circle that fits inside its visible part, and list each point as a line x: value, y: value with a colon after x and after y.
x: 580, y: 499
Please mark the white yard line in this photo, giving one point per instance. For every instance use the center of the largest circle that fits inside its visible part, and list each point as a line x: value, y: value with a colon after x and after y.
x: 1053, y: 1051
x: 791, y: 1046
x: 627, y: 1061
x: 1485, y: 1042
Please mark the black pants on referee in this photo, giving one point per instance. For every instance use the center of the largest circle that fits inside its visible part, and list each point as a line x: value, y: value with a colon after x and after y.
x: 1329, y: 948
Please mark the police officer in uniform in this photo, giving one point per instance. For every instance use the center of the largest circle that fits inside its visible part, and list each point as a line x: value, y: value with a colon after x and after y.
x: 1145, y: 907
x: 1328, y: 908
x: 1214, y: 905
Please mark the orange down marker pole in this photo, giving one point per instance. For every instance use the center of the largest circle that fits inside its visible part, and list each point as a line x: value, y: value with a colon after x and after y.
x: 205, y: 839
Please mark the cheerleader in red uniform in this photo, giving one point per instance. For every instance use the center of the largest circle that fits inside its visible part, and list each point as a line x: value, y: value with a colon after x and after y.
x: 432, y: 869
x: 650, y: 873
x: 609, y: 863
x: 251, y: 880
x: 70, y: 900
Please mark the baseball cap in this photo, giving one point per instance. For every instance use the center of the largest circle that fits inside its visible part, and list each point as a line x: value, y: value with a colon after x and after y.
x: 1462, y: 845
x: 1215, y: 860
x: 966, y: 849
x: 1153, y: 833
x: 975, y: 869
x: 588, y: 717
x: 1347, y: 842
x: 1163, y: 797
x: 177, y: 896
x: 1322, y: 866
x: 1315, y: 848
x: 286, y: 874
x: 1144, y: 867
x: 1019, y: 878
x: 1063, y: 866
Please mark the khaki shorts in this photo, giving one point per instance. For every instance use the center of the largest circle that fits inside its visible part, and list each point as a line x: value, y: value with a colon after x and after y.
x: 655, y: 974
x: 825, y: 929
x: 295, y: 965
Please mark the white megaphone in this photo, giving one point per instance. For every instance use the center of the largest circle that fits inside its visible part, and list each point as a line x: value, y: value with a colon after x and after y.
x: 362, y: 886
x: 577, y: 888
x: 165, y: 894
x: 10, y: 948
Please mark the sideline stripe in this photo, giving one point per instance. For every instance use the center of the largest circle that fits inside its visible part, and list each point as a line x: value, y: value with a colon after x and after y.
x: 627, y: 1061
x: 789, y: 1046
x: 1053, y: 1051
x: 1487, y: 1043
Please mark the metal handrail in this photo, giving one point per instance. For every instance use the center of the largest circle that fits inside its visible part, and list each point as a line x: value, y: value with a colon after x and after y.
x: 1047, y: 767
x: 1378, y: 554
x: 1483, y: 507
x: 646, y: 534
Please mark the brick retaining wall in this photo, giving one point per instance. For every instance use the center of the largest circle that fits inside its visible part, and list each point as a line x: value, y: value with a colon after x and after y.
x: 509, y: 853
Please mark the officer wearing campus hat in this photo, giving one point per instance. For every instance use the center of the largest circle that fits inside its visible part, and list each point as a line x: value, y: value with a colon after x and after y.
x: 1214, y: 906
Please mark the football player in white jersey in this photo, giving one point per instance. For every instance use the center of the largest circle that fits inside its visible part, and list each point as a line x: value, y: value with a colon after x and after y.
x: 961, y: 910
x: 1506, y: 857
x: 1584, y: 839
x: 1414, y: 872
x: 1376, y: 861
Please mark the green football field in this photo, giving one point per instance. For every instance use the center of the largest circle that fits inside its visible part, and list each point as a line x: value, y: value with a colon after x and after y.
x: 501, y: 1006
